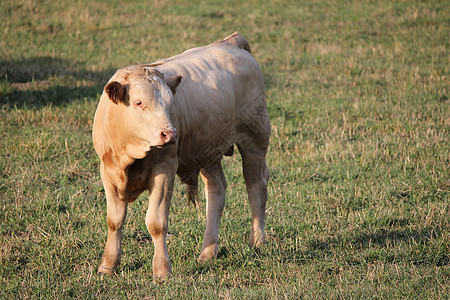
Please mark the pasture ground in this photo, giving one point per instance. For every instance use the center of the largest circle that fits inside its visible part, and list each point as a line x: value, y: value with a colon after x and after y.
x: 359, y: 155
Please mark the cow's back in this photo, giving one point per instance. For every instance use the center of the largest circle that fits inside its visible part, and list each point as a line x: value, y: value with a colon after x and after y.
x: 220, y: 82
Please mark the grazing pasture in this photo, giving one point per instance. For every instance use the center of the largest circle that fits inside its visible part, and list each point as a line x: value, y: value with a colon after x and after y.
x: 359, y: 155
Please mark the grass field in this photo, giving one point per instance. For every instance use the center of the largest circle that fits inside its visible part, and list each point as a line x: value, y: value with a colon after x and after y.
x: 359, y: 157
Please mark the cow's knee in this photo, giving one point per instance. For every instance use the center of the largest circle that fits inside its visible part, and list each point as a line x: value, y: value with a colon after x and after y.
x: 155, y: 227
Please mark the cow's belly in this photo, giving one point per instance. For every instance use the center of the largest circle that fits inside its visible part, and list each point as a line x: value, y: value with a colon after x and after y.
x: 198, y: 149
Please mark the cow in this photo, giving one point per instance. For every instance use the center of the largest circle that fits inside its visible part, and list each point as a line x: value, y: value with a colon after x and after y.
x: 180, y: 116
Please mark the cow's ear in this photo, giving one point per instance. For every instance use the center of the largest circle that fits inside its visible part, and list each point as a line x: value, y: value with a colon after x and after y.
x: 115, y: 92
x: 173, y: 82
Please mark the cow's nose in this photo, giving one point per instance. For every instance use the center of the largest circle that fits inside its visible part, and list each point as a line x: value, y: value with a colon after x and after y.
x: 169, y: 136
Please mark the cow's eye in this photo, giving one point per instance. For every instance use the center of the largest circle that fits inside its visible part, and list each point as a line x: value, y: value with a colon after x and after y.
x: 138, y: 103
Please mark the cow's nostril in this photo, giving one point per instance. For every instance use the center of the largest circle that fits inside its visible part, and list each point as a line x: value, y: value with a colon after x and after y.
x: 169, y: 136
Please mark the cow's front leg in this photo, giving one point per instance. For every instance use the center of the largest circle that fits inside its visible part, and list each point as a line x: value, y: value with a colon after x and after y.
x: 161, y: 186
x: 116, y: 213
x: 215, y: 185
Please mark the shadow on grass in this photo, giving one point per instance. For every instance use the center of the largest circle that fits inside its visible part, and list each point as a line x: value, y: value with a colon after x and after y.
x: 39, y: 81
x: 375, y: 246
x: 418, y: 247
x: 352, y: 250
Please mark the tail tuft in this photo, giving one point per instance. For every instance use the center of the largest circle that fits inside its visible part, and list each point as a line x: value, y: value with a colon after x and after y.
x: 192, y: 194
x: 190, y: 178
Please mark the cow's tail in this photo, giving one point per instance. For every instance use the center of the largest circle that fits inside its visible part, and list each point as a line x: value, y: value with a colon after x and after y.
x: 192, y: 194
x: 239, y: 41
x: 190, y: 179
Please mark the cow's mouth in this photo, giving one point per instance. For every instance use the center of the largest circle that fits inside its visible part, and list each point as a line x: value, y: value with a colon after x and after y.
x: 151, y: 147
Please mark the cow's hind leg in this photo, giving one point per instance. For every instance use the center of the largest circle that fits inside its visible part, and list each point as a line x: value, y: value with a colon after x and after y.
x: 253, y: 133
x: 215, y: 185
x: 256, y: 176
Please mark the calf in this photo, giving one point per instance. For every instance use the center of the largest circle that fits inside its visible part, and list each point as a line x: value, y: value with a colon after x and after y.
x: 180, y: 116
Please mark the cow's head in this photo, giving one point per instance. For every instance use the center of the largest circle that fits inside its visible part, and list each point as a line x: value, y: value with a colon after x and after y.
x: 143, y: 100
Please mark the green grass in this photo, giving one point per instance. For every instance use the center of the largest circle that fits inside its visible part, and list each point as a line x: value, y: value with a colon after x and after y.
x: 359, y: 155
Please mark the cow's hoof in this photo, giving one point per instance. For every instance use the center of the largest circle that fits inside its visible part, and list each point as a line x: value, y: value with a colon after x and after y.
x: 104, y: 270
x: 257, y: 240
x: 159, y: 279
x: 208, y: 254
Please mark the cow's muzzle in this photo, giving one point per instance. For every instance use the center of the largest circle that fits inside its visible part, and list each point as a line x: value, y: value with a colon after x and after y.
x: 169, y: 136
